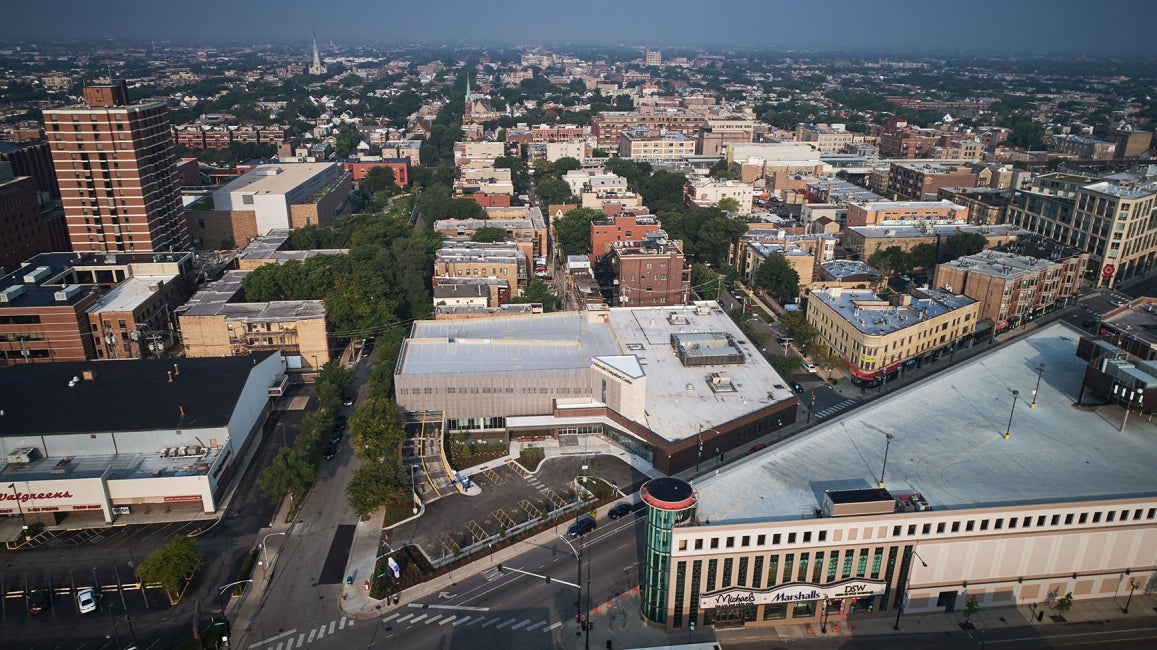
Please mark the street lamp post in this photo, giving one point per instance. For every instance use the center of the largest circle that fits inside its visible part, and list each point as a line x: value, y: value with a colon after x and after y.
x: 887, y: 445
x: 699, y: 453
x: 1008, y: 429
x: 265, y: 551
x: 414, y: 487
x: 20, y: 509
x: 903, y: 595
x: 1132, y: 585
x: 578, y: 606
x: 811, y: 407
x: 221, y: 593
x: 1039, y: 371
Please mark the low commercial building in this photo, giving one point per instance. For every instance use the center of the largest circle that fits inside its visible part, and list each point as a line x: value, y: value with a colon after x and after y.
x: 524, y: 226
x: 176, y: 450
x: 674, y: 386
x: 826, y: 138
x: 283, y: 195
x: 467, y: 259
x: 272, y: 248
x: 214, y: 324
x: 830, y: 529
x: 1011, y: 288
x: 986, y: 206
x: 876, y: 336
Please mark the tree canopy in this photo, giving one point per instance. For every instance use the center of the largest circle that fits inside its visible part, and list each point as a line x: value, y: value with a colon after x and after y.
x: 573, y: 230
x: 776, y: 277
x: 171, y: 565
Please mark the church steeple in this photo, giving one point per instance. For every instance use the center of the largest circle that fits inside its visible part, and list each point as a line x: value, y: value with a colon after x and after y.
x: 469, y: 95
x: 315, y: 67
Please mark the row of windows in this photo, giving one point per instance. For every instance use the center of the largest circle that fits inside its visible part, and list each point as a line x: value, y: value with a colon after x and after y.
x: 495, y: 390
x: 970, y: 525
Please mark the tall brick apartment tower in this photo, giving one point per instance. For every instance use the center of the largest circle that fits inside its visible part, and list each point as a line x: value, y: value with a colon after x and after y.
x: 117, y: 173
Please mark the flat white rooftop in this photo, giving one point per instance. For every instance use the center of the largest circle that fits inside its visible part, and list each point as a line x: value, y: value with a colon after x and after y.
x: 949, y: 444
x: 128, y: 295
x: 278, y: 178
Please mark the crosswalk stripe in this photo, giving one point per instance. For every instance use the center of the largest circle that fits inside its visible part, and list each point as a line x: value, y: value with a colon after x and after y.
x: 280, y: 645
x: 301, y: 639
x: 477, y: 620
x: 389, y: 618
x: 341, y: 624
x: 490, y: 623
x: 553, y: 627
x: 462, y: 620
x: 321, y: 631
x: 312, y: 636
x: 418, y: 618
x: 538, y: 624
x: 433, y: 618
x: 448, y: 619
x: 505, y: 623
x: 403, y: 619
x: 521, y: 625
x: 332, y: 624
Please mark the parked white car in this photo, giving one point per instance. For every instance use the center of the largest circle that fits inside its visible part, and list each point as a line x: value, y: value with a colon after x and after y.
x: 809, y: 366
x: 86, y: 600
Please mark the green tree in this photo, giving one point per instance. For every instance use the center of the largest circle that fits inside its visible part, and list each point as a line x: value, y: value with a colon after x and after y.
x: 346, y: 142
x: 566, y: 164
x: 519, y: 172
x: 776, y: 277
x: 971, y: 606
x: 332, y: 384
x: 378, y: 432
x: 379, y: 179
x: 922, y: 256
x: 171, y: 565
x: 552, y: 191
x: 290, y: 473
x: 706, y: 282
x: 888, y: 261
x: 785, y: 365
x: 965, y: 243
x: 728, y: 204
x: 488, y: 234
x: 573, y: 230
x: 1064, y: 603
x: 537, y: 291
x: 372, y: 486
x: 795, y: 322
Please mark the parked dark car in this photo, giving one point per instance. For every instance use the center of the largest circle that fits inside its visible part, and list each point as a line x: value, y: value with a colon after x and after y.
x: 795, y: 385
x: 756, y: 447
x: 620, y: 510
x: 38, y: 602
x: 330, y: 450
x: 583, y: 525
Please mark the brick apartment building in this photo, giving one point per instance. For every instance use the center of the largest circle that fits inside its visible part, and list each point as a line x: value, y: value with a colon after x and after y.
x: 116, y: 168
x: 921, y: 181
x: 24, y: 231
x: 1012, y: 288
x: 650, y: 272
x: 619, y: 229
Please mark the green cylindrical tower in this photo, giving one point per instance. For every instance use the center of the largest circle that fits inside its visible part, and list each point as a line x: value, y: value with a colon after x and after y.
x: 670, y: 502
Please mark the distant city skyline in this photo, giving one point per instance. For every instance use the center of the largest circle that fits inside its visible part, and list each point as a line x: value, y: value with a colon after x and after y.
x: 1111, y: 27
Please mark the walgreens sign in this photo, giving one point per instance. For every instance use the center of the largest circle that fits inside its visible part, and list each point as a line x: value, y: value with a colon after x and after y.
x: 25, y: 497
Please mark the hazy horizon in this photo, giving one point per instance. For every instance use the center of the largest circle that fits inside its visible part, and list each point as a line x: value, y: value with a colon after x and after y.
x: 984, y: 27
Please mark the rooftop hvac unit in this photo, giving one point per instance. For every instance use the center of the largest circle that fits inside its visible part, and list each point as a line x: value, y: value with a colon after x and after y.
x: 11, y: 293
x: 37, y: 274
x: 23, y: 455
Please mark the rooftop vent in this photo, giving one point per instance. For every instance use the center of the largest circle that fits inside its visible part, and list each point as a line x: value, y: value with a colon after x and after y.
x: 37, y: 274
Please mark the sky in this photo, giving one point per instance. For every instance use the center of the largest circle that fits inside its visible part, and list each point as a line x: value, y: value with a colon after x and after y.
x: 997, y: 27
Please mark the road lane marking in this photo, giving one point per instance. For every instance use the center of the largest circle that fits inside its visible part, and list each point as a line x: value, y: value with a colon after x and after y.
x: 521, y: 625
x: 505, y: 623
x: 448, y: 619
x: 418, y: 618
x: 389, y: 618
x: 273, y: 638
x: 553, y: 627
x: 467, y: 608
x: 540, y: 623
x: 462, y: 620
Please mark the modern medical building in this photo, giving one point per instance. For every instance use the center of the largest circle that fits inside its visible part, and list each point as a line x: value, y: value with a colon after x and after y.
x: 1013, y: 478
x: 674, y: 385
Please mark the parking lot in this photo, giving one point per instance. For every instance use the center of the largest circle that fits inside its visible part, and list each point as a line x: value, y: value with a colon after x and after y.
x: 510, y: 495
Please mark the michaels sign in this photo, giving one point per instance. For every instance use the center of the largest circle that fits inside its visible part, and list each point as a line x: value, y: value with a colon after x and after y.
x: 793, y: 593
